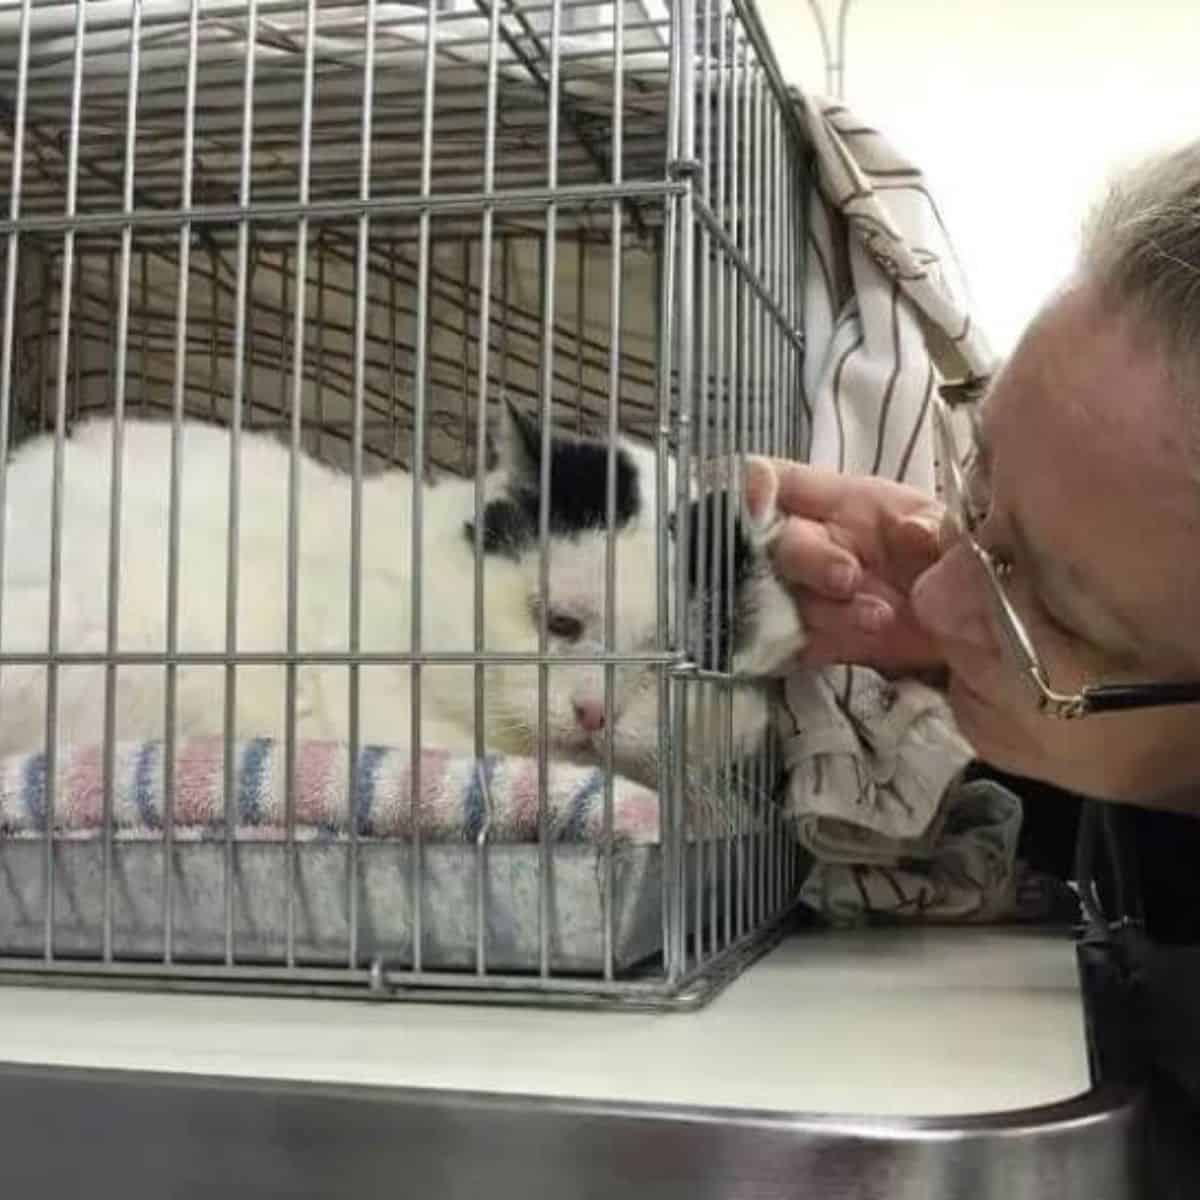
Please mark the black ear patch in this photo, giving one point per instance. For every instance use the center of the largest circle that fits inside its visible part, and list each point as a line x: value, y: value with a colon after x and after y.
x: 578, y: 489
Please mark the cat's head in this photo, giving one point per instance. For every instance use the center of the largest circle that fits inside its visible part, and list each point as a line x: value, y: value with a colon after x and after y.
x: 740, y: 617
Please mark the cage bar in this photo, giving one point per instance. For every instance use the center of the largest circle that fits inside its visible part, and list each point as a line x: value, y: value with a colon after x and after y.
x: 486, y: 253
x: 417, y: 466
x: 66, y: 275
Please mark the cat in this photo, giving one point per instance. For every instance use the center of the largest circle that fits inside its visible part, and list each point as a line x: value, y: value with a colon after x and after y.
x: 760, y: 632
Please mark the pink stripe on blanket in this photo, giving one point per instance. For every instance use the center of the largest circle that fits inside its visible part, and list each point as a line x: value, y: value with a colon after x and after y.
x: 525, y: 799
x: 199, y: 781
x: 314, y: 770
x: 435, y: 797
x: 635, y: 814
x: 391, y: 812
x: 85, y: 789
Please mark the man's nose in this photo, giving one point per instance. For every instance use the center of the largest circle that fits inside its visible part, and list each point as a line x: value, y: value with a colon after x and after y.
x: 951, y: 602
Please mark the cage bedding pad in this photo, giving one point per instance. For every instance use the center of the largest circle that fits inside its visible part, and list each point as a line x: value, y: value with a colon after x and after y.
x: 246, y: 899
x: 458, y: 796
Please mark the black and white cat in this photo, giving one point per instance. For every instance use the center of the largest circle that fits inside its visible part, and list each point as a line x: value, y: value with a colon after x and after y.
x: 762, y: 630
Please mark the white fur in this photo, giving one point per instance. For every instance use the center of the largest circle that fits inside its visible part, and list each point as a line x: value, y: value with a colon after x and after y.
x: 322, y: 611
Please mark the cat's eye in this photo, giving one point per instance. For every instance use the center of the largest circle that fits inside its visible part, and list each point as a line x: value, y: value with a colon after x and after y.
x: 563, y: 625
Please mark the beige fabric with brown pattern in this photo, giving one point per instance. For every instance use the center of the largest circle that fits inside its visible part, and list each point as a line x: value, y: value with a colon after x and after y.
x: 874, y: 790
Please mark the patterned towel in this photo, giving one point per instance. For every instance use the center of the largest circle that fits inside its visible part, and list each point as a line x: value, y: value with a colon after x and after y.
x: 874, y: 791
x: 870, y: 761
x: 458, y: 796
x: 887, y: 308
x: 969, y: 874
x: 875, y: 794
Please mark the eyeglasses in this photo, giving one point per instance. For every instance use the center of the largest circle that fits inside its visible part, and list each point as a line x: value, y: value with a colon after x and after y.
x: 966, y: 515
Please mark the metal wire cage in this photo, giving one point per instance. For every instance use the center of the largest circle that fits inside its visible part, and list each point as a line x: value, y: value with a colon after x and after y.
x: 358, y: 226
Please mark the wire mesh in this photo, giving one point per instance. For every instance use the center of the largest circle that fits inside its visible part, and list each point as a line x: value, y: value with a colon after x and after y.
x: 355, y: 229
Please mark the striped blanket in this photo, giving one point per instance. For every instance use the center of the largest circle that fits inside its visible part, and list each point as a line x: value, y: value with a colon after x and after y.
x: 886, y: 312
x: 453, y: 797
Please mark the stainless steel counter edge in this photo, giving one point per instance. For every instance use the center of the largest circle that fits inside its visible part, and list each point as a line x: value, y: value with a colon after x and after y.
x: 140, y: 1134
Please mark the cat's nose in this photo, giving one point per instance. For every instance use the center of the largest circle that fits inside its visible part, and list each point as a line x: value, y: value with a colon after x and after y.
x: 589, y: 715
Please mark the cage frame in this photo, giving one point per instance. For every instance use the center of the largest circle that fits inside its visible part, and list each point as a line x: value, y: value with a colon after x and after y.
x: 731, y: 261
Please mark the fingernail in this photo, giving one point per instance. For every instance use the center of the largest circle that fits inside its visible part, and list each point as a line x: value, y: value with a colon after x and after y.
x: 927, y: 523
x: 843, y: 577
x: 759, y: 489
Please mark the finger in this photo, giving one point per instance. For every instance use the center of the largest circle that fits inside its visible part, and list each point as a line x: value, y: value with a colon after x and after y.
x: 807, y: 491
x: 833, y: 637
x: 805, y: 555
x: 759, y: 490
x: 913, y: 547
x: 881, y: 638
x: 862, y: 616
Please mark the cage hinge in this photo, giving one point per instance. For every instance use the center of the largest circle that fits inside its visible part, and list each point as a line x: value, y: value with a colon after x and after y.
x: 684, y: 168
x: 378, y: 986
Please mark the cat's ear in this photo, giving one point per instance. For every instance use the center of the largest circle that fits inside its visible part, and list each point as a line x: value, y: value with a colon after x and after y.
x: 520, y: 445
x: 491, y: 452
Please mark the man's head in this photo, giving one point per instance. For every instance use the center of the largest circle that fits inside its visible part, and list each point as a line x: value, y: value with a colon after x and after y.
x: 1141, y: 246
x: 1090, y: 462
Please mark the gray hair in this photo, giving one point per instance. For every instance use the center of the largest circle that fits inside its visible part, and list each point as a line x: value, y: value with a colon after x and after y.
x: 1141, y: 246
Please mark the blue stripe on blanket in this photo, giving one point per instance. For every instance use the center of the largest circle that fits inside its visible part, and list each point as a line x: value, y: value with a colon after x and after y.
x: 33, y: 791
x: 474, y: 801
x: 143, y: 786
x: 250, y: 779
x: 369, y: 758
x: 575, y: 827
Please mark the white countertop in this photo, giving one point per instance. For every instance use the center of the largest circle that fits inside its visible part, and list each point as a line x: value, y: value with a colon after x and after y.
x: 916, y: 1022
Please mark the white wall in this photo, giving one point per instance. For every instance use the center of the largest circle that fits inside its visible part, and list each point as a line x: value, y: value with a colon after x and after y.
x: 1016, y: 111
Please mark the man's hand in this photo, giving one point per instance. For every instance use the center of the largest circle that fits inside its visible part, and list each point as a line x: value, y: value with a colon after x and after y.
x: 852, y: 545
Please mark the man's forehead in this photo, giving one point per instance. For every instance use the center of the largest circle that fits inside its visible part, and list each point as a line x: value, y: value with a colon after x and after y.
x: 1084, y: 376
x: 1086, y: 430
